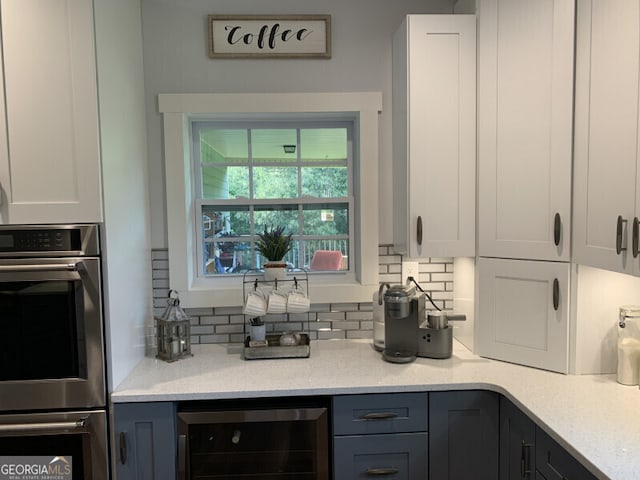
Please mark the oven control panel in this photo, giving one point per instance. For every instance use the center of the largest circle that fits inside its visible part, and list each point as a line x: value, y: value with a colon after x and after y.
x: 55, y: 240
x: 36, y: 240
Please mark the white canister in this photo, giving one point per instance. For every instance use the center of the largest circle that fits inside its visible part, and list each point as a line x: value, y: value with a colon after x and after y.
x: 629, y: 345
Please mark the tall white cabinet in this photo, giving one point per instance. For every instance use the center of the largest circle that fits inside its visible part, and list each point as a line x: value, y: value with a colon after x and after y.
x: 525, y: 92
x: 607, y: 127
x: 525, y: 102
x: 49, y: 139
x: 434, y: 110
x: 73, y: 144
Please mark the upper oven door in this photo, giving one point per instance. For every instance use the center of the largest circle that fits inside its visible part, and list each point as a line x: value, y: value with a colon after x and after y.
x: 51, y: 328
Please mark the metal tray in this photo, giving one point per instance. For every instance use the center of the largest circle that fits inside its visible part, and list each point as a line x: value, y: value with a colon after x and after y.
x: 275, y: 350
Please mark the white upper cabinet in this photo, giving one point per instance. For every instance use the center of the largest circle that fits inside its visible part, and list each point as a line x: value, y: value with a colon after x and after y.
x: 49, y: 140
x: 606, y: 192
x: 525, y: 106
x: 434, y: 136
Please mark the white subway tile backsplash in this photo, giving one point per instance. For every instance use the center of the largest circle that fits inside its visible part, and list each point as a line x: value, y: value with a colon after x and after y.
x: 326, y: 321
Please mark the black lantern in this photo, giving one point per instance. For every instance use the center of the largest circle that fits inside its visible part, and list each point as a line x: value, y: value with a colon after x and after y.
x: 173, y: 331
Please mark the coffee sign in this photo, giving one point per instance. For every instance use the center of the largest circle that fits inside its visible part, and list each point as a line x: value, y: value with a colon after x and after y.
x: 255, y: 36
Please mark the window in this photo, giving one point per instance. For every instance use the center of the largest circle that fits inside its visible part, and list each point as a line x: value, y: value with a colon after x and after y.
x: 252, y: 176
x: 220, y: 193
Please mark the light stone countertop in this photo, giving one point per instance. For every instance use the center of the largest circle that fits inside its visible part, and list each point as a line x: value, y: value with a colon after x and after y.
x: 596, y: 419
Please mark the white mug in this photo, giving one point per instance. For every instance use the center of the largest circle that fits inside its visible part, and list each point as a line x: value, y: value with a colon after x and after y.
x: 298, y: 301
x: 277, y: 302
x: 255, y: 303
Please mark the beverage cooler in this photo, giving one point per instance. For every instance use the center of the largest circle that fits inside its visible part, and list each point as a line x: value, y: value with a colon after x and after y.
x: 270, y: 443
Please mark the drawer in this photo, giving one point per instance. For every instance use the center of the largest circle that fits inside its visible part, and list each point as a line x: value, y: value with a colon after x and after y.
x: 379, y: 413
x: 397, y: 456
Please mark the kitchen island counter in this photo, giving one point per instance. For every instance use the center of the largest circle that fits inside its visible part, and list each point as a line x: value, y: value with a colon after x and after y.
x: 592, y: 416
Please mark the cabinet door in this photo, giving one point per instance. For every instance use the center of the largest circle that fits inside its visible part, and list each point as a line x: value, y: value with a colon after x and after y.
x: 517, y: 443
x: 49, y: 148
x: 145, y: 440
x: 606, y: 132
x: 525, y: 92
x: 554, y: 463
x: 463, y: 435
x: 434, y: 136
x: 523, y: 312
x: 401, y: 456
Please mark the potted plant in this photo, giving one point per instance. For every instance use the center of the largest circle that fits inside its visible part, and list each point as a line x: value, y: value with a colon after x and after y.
x: 273, y: 244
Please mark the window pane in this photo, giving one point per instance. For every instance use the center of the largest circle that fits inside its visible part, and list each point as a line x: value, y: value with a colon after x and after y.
x: 226, y: 239
x: 277, y: 216
x: 326, y: 220
x: 324, y: 182
x: 323, y: 144
x: 218, y: 145
x: 275, y: 182
x: 329, y: 262
x: 267, y: 146
x: 225, y: 182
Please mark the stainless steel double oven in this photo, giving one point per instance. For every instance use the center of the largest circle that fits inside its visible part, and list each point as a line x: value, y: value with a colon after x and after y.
x: 52, y: 374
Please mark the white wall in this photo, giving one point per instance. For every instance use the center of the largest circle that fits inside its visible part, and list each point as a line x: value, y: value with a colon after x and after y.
x: 126, y: 233
x: 598, y: 296
x: 176, y: 61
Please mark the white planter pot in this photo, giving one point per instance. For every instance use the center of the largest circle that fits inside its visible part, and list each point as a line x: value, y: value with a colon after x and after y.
x: 275, y: 271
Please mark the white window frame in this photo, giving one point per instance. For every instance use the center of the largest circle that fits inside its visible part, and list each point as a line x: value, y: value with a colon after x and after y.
x: 179, y: 109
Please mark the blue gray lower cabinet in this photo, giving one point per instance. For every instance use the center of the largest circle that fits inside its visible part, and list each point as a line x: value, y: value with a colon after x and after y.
x: 553, y: 462
x: 380, y: 436
x: 517, y: 443
x: 527, y: 452
x: 410, y: 436
x: 390, y: 455
x: 145, y: 441
x: 463, y: 435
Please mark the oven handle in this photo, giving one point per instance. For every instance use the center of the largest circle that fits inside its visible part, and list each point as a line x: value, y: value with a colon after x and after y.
x: 60, y: 267
x: 38, y: 427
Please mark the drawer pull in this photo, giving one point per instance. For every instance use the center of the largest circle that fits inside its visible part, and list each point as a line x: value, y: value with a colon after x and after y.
x: 378, y: 472
x: 379, y: 416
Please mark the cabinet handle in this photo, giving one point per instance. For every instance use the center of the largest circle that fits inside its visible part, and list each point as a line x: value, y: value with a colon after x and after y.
x: 557, y: 229
x: 379, y: 416
x: 556, y: 294
x: 378, y: 472
x: 635, y: 237
x: 419, y: 231
x: 182, y: 457
x: 525, y: 460
x: 621, y: 222
x: 123, y: 448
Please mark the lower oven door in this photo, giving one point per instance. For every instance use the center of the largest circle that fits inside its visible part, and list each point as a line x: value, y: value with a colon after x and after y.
x: 64, y: 446
x: 51, y: 327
